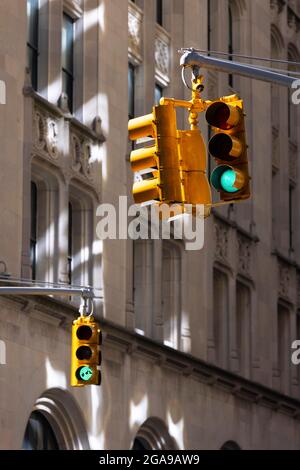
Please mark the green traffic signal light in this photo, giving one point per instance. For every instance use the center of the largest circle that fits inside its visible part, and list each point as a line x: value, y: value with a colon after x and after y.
x: 227, y: 181
x: 84, y: 373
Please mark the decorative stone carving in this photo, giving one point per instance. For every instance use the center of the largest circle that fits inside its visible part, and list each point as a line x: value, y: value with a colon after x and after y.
x: 244, y: 255
x: 277, y: 5
x: 221, y: 239
x: 284, y: 279
x: 162, y: 56
x: 135, y: 21
x: 46, y: 134
x: 81, y: 155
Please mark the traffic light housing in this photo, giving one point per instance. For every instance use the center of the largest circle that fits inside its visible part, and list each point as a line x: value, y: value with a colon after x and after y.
x: 162, y: 182
x: 175, y: 164
x: 86, y: 354
x: 228, y: 146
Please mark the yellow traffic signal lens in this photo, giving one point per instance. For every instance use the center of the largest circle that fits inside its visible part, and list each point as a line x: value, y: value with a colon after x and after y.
x: 225, y: 147
x: 222, y: 115
x: 84, y: 332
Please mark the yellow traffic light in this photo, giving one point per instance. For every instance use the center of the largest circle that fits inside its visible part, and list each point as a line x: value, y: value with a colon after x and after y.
x: 86, y: 355
x: 229, y: 148
x: 162, y: 182
x: 193, y: 163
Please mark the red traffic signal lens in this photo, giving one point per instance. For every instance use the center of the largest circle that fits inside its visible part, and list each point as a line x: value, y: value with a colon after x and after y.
x: 84, y: 332
x: 217, y: 115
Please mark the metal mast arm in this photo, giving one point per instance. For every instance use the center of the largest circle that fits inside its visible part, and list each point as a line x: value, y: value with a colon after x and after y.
x: 191, y: 58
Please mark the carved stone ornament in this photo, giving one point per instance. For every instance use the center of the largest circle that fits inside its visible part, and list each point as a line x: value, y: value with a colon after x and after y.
x: 221, y: 239
x: 162, y: 56
x: 244, y: 255
x: 135, y: 19
x: 46, y: 134
x: 81, y: 155
x: 284, y: 280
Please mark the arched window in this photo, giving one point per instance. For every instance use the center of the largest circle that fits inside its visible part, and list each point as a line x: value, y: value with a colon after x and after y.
x: 44, y: 224
x: 38, y: 434
x: 230, y: 445
x: 154, y: 435
x: 56, y: 422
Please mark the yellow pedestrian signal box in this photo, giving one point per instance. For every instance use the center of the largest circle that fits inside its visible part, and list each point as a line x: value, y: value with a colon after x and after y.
x: 228, y: 146
x: 86, y: 354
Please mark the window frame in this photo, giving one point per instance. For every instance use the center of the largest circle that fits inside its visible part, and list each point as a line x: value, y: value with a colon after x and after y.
x: 68, y: 72
x: 33, y: 46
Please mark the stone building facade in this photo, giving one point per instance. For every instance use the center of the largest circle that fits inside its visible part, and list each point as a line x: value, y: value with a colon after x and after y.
x: 197, y: 347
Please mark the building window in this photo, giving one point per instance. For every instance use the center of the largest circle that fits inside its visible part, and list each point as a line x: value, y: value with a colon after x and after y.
x: 208, y: 26
x: 220, y: 318
x: 283, y: 346
x: 171, y: 296
x: 230, y: 445
x: 33, y: 230
x: 38, y: 434
x: 230, y: 42
x: 158, y: 93
x: 68, y: 59
x: 291, y: 216
x: 33, y: 40
x: 70, y: 242
x: 159, y: 12
x: 243, y: 327
x: 131, y: 90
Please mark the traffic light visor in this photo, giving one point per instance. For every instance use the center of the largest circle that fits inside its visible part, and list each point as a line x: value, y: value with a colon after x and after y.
x: 222, y: 115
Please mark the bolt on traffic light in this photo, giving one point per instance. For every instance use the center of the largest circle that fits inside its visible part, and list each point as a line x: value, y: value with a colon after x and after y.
x: 229, y: 148
x: 86, y: 354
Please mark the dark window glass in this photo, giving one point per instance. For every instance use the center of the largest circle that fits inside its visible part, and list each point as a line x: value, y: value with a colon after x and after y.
x: 131, y: 87
x: 33, y: 40
x: 291, y: 217
x: 33, y: 229
x: 158, y: 93
x: 70, y: 243
x: 230, y: 42
x: 141, y: 444
x: 208, y: 25
x: 68, y: 58
x: 159, y: 12
x: 39, y: 434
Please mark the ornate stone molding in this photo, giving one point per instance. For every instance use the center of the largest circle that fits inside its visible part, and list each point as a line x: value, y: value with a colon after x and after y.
x: 162, y: 56
x: 277, y: 5
x: 45, y: 134
x: 81, y: 149
x: 293, y: 20
x: 284, y: 280
x: 244, y: 255
x: 221, y: 241
x: 135, y: 22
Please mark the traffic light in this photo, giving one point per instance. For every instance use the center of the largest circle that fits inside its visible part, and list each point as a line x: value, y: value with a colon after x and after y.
x: 175, y: 165
x: 86, y: 354
x: 229, y: 148
x: 193, y: 164
x: 161, y: 180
